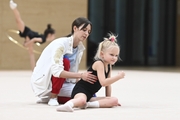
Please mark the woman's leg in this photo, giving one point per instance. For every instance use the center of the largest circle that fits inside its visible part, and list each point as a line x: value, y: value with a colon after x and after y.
x: 62, y: 100
x: 65, y: 92
x: 57, y: 84
x: 19, y: 21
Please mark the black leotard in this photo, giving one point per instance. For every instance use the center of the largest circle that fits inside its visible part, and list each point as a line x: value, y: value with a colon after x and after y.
x: 86, y: 87
x: 31, y: 34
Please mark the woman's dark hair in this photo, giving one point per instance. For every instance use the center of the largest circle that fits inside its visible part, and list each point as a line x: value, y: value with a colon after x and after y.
x: 49, y: 30
x: 78, y: 22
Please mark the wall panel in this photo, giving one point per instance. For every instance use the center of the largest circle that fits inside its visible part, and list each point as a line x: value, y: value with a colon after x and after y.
x: 36, y: 14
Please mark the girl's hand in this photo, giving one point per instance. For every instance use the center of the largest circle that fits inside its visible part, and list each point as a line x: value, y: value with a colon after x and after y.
x: 89, y: 77
x: 121, y: 74
x: 27, y: 44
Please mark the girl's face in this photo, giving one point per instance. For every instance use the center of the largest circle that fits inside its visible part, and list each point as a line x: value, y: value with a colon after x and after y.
x: 51, y: 37
x: 82, y: 34
x: 110, y: 56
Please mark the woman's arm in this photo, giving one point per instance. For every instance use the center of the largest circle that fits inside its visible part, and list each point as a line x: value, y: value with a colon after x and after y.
x: 86, y: 76
x: 57, y: 68
x: 67, y: 74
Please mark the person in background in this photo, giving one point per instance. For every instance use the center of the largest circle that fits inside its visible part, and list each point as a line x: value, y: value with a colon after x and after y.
x: 30, y: 36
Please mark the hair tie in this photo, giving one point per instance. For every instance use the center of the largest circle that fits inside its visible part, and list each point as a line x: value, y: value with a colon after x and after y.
x: 112, y: 39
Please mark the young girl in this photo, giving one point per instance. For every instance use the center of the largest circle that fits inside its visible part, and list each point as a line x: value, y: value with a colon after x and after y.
x: 30, y: 36
x: 52, y: 66
x: 82, y: 94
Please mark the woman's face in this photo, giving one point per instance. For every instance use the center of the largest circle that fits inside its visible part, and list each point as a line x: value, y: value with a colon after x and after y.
x: 82, y: 34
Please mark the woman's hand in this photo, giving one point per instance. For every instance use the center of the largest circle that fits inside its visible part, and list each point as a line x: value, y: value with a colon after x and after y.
x: 89, y: 77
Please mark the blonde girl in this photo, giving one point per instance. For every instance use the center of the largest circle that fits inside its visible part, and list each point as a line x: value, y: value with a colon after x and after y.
x: 82, y: 94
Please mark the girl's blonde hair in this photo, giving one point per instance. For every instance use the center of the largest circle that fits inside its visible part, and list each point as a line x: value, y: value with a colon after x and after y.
x: 106, y: 44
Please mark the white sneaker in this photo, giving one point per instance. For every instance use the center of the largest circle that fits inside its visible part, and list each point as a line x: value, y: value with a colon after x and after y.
x: 53, y: 102
x: 12, y: 4
x: 42, y: 100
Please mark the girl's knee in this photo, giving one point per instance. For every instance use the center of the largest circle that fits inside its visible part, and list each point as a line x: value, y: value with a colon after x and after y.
x: 82, y: 101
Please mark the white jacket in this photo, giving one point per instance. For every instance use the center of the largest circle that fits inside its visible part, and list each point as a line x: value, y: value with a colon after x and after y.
x: 51, y: 63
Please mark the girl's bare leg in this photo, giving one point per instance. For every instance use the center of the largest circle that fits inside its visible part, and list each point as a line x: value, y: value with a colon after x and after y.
x: 32, y: 56
x: 104, y: 102
x: 19, y: 21
x: 21, y: 27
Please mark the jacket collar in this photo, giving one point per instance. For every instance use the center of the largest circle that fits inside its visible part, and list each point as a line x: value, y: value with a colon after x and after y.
x: 81, y: 46
x: 70, y: 46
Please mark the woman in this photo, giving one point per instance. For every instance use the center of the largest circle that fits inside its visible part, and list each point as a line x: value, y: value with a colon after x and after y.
x: 30, y: 36
x: 50, y: 68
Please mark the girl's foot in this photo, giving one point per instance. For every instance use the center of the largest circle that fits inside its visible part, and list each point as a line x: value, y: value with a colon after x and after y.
x: 12, y: 4
x: 64, y: 108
